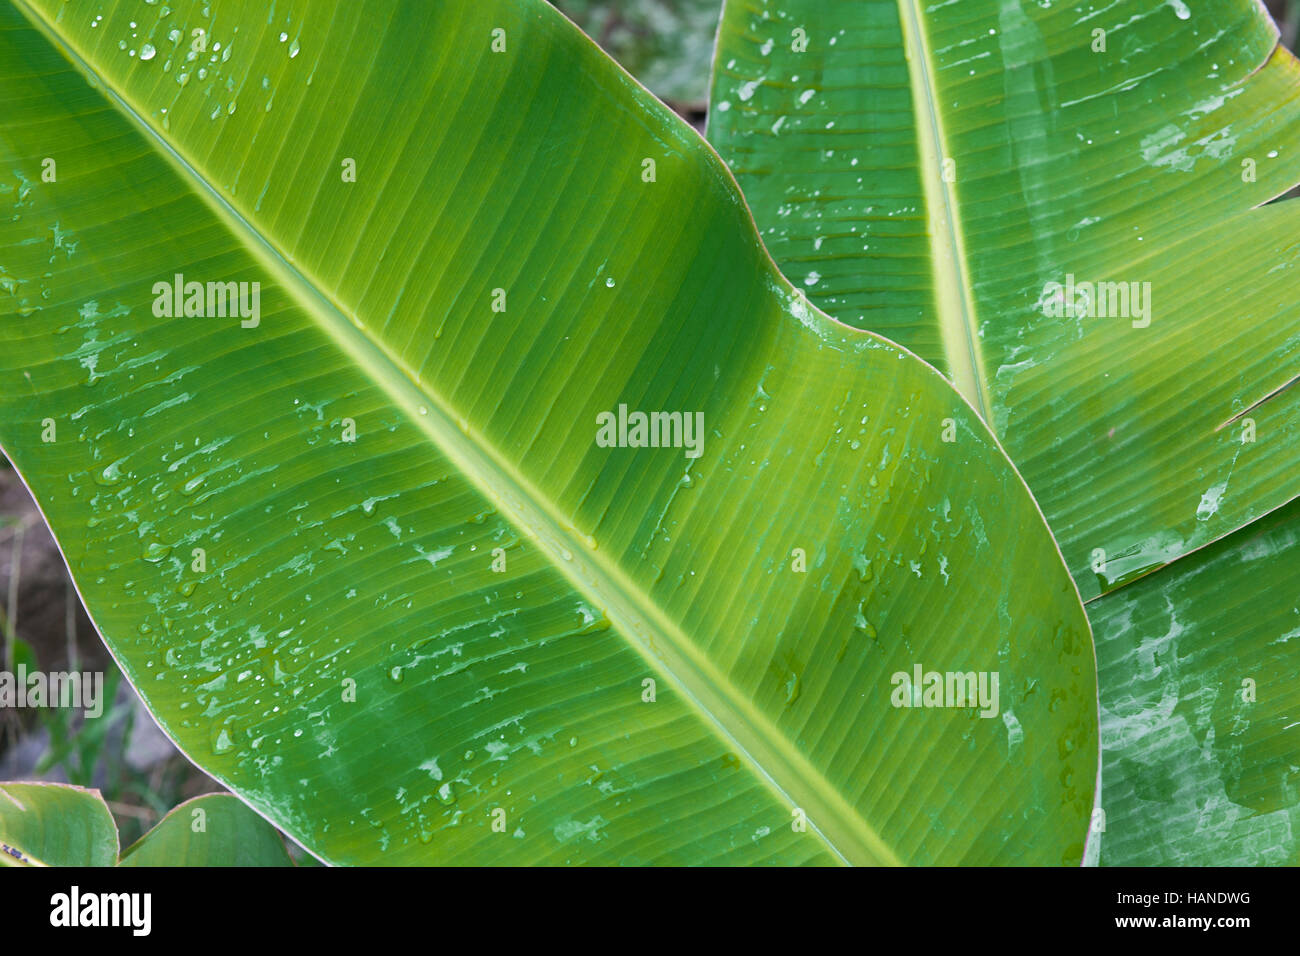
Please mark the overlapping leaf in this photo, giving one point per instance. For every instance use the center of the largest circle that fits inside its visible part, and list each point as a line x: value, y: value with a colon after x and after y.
x: 213, y: 830
x: 45, y: 824
x: 928, y: 171
x: 1200, y: 720
x: 51, y: 824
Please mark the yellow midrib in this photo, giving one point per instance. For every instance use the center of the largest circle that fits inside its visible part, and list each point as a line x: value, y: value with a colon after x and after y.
x: 953, y: 298
x: 751, y: 733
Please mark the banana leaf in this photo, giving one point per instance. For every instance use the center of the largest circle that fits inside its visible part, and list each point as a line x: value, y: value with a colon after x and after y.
x: 52, y: 824
x: 47, y: 824
x: 928, y: 172
x: 212, y: 830
x: 1064, y: 207
x: 1200, y: 717
x: 375, y: 553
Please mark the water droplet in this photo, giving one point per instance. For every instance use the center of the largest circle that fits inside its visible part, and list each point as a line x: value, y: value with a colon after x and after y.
x: 147, y: 52
x: 111, y: 475
x: 156, y: 551
x: 791, y: 688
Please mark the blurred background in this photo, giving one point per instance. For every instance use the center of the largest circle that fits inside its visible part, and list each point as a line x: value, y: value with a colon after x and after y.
x: 668, y: 45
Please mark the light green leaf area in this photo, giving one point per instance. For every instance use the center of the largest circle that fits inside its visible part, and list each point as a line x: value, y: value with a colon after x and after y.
x: 928, y: 170
x: 474, y: 634
x: 1199, y: 706
x: 665, y: 44
x: 214, y: 830
x: 47, y: 824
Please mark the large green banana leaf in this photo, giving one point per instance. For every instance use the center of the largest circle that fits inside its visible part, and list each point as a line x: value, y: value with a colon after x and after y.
x: 1200, y: 710
x: 1117, y: 163
x: 927, y: 170
x: 473, y: 634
